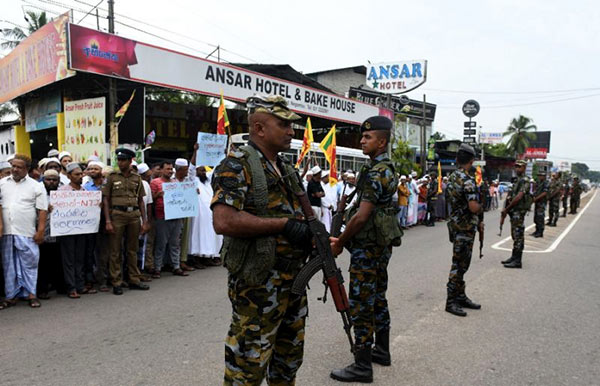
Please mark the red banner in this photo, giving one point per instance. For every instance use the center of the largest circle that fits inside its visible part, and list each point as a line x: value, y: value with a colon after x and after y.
x: 37, y: 61
x: 535, y: 152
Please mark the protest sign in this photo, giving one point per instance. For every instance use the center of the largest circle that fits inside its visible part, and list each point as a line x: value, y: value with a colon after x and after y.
x: 211, y: 149
x: 181, y: 199
x: 74, y: 212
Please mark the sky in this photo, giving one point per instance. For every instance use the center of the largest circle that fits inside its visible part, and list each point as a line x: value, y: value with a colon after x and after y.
x: 535, y: 58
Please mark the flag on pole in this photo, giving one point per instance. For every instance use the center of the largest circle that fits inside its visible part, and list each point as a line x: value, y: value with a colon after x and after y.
x: 478, y: 176
x: 124, y: 108
x: 306, y: 142
x: 439, y: 178
x: 222, y: 119
x: 328, y: 147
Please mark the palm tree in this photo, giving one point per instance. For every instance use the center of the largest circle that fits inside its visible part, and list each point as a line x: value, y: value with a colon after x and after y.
x: 16, y: 35
x: 520, y: 132
x: 7, y: 109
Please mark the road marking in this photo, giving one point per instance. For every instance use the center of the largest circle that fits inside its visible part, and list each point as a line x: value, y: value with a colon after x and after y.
x: 553, y: 246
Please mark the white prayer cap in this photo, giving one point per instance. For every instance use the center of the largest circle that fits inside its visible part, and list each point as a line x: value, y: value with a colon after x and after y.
x: 52, y: 153
x: 325, y: 173
x: 4, y: 165
x: 93, y: 158
x: 143, y: 168
x: 42, y: 162
x: 63, y: 154
x: 50, y: 172
x: 72, y: 166
x: 349, y: 171
x: 181, y: 162
x: 413, y: 173
x: 309, y: 173
x: 10, y: 158
x: 351, y: 175
x: 53, y: 159
x: 96, y: 163
x: 403, y: 177
x: 315, y: 170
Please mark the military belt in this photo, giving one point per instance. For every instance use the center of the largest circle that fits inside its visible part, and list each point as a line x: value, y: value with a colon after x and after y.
x: 288, y: 265
x: 125, y: 208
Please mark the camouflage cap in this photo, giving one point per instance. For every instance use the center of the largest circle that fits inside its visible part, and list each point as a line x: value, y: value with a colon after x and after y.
x: 520, y: 162
x: 275, y: 105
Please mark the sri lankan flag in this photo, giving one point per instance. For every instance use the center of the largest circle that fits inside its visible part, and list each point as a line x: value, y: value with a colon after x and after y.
x: 478, y: 176
x: 328, y: 147
x: 222, y: 119
x: 124, y: 108
x: 306, y: 142
x: 439, y: 178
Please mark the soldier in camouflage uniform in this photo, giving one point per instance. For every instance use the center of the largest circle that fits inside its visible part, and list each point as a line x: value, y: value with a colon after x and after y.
x: 517, y: 209
x: 575, y: 195
x: 540, y: 197
x: 255, y: 207
x: 554, y: 199
x: 370, y: 253
x: 565, y: 197
x: 464, y: 222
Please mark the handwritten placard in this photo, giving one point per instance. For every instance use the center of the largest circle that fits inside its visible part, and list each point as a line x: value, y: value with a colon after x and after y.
x: 74, y: 212
x: 181, y: 200
x: 211, y: 149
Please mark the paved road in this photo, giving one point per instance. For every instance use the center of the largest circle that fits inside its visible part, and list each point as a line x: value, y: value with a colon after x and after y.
x: 538, y: 326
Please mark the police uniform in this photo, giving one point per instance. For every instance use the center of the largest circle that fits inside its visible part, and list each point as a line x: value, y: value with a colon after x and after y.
x: 123, y: 194
x: 553, y: 201
x: 575, y: 195
x: 370, y: 251
x: 540, y: 207
x: 517, y: 218
x: 266, y: 334
x: 462, y: 226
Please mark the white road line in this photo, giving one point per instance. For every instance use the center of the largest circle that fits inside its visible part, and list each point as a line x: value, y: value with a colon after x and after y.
x: 553, y: 246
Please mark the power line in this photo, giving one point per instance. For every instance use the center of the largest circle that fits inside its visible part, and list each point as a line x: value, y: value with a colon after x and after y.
x: 514, y: 92
x: 527, y: 104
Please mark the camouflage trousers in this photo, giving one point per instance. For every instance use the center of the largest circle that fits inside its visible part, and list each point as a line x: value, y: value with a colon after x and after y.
x: 368, y: 284
x: 539, y: 216
x: 266, y: 335
x: 517, y: 230
x: 462, y: 249
x: 574, y: 204
x: 554, y: 209
x: 565, y: 204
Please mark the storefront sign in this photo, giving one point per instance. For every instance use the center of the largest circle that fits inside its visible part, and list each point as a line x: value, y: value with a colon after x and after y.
x: 211, y: 149
x: 396, y: 77
x: 492, y: 138
x: 85, y: 127
x: 105, y: 54
x: 39, y: 60
x: 40, y: 113
x: 74, y: 212
x: 470, y: 108
x: 181, y: 199
x: 400, y: 105
x: 532, y: 152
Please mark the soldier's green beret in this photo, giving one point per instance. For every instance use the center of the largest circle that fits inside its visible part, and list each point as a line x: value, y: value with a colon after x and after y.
x: 376, y: 123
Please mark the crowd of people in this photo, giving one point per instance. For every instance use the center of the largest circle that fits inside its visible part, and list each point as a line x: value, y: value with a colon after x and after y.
x: 36, y: 264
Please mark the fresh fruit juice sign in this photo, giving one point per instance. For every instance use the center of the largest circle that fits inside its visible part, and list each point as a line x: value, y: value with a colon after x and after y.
x: 85, y: 123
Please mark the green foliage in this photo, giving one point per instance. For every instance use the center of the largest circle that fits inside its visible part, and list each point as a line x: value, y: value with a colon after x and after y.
x: 173, y: 96
x: 14, y: 36
x: 580, y: 169
x: 7, y: 109
x: 497, y: 150
x: 520, y: 131
x: 402, y: 156
x: 438, y: 136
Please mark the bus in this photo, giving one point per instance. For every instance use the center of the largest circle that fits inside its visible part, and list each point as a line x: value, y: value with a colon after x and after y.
x: 347, y: 158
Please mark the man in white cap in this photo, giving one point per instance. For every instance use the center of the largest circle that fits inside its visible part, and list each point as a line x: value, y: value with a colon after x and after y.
x: 53, y: 153
x: 4, y: 169
x: 329, y: 200
x: 64, y: 157
x: 403, y: 195
x: 413, y: 202
x: 315, y: 191
x: 146, y: 174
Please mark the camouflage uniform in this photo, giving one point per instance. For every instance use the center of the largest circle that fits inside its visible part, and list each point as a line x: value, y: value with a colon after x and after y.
x: 565, y: 198
x: 540, y: 206
x: 575, y: 196
x: 554, y: 200
x: 368, y: 262
x: 517, y: 214
x: 266, y: 334
x: 462, y: 226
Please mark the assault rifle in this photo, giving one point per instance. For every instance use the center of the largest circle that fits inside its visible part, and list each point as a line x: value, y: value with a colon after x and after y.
x: 503, y: 216
x: 322, y: 259
x: 338, y: 217
x: 481, y: 233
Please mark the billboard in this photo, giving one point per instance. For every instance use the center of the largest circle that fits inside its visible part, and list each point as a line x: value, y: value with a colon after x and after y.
x: 541, y: 141
x: 40, y: 113
x: 396, y: 77
x: 491, y: 138
x: 105, y: 54
x: 400, y: 105
x: 39, y: 60
x: 535, y: 153
x: 85, y: 127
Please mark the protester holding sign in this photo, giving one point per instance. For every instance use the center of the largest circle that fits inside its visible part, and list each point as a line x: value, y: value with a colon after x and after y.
x: 72, y: 247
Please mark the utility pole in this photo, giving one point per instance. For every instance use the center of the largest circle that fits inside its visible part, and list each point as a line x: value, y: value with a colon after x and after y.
x: 392, y: 136
x: 423, y: 138
x: 112, y: 88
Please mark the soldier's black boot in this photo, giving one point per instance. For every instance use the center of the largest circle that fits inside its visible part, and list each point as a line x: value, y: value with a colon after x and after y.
x: 359, y: 371
x: 465, y: 302
x: 381, y: 352
x: 452, y: 304
x: 554, y: 222
x: 516, y: 263
x: 510, y: 259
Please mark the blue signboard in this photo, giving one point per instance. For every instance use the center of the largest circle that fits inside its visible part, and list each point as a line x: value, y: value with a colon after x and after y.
x: 40, y: 113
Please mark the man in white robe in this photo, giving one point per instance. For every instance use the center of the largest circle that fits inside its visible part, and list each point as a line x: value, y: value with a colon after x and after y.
x: 329, y: 201
x: 204, y: 242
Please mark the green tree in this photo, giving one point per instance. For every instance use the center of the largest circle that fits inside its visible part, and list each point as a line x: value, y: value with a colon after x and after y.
x: 497, y: 149
x: 403, y: 156
x: 580, y: 169
x: 7, y: 109
x: 520, y: 131
x: 438, y: 136
x: 16, y: 35
x: 173, y: 96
